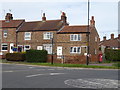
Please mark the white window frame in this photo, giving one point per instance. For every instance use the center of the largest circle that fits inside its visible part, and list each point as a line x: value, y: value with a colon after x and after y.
x: 27, y: 37
x: 74, y: 47
x: 2, y: 46
x: 47, y: 35
x: 48, y: 48
x: 39, y: 47
x: 25, y: 48
x: 75, y: 37
x: 5, y: 33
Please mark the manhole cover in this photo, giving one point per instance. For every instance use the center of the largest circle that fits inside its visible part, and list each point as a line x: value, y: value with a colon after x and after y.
x: 92, y: 83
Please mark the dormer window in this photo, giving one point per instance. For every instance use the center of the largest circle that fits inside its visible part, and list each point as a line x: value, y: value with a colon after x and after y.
x: 5, y: 33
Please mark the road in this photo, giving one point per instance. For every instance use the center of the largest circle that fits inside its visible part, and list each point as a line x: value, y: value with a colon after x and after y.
x: 28, y: 76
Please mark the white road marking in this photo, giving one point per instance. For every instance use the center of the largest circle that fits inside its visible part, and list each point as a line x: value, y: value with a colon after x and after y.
x: 31, y: 67
x: 34, y: 75
x: 40, y: 69
x: 51, y: 69
x: 7, y: 71
x: 56, y: 73
x: 92, y: 83
x: 44, y: 74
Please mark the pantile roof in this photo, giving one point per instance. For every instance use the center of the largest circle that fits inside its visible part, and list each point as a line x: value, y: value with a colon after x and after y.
x: 111, y: 43
x: 41, y: 25
x: 11, y: 23
x: 74, y: 29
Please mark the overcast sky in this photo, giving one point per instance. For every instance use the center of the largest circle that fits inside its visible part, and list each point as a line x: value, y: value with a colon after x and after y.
x: 105, y: 13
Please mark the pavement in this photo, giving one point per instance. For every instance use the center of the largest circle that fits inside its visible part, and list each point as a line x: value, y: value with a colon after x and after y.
x: 102, y: 64
x: 29, y: 76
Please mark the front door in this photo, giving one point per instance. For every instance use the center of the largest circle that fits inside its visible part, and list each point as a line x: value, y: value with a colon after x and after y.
x: 59, y: 51
x: 11, y: 47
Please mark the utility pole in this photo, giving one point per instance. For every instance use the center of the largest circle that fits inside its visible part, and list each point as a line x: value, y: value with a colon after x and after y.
x: 52, y: 50
x: 87, y: 61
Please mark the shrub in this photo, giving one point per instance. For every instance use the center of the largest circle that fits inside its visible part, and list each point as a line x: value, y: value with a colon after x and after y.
x: 36, y: 56
x: 15, y: 56
x: 112, y: 55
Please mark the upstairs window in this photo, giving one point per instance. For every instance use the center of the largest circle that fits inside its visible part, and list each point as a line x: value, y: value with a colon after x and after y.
x: 47, y: 35
x: 75, y: 50
x: 75, y: 37
x: 27, y: 36
x: 5, y: 33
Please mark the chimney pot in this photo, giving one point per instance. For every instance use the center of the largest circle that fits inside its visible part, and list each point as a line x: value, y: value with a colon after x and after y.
x: 64, y: 18
x: 104, y: 38
x: 112, y: 36
x: 118, y: 36
x: 43, y: 18
x: 8, y: 17
x: 92, y: 21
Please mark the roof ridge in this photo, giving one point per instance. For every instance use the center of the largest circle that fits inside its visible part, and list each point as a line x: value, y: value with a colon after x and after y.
x: 77, y: 25
x: 45, y: 21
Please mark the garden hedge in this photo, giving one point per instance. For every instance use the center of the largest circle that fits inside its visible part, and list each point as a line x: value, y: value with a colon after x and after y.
x: 112, y: 55
x: 36, y: 56
x: 15, y: 56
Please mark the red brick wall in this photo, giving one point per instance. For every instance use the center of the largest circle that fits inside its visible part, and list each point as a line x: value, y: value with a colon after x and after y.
x: 2, y: 56
x: 78, y: 59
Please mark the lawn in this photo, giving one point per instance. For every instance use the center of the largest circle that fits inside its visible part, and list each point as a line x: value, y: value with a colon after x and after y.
x: 115, y: 66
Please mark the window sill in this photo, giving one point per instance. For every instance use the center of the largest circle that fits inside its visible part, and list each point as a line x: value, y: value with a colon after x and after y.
x: 4, y: 50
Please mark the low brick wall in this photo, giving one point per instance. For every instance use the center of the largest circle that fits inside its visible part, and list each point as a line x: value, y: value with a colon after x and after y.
x: 55, y: 60
x: 78, y: 59
x: 81, y: 59
x: 2, y: 56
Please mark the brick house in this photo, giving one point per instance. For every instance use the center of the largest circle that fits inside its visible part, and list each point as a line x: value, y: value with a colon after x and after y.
x: 8, y: 29
x: 72, y: 43
x: 67, y: 43
x: 113, y: 43
x: 38, y: 34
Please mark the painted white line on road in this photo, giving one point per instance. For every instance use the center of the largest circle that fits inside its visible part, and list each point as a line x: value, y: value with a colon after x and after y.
x: 7, y: 71
x: 56, y: 73
x: 51, y: 69
x: 45, y: 74
x: 40, y: 69
x: 31, y: 67
x: 92, y: 83
x: 34, y: 75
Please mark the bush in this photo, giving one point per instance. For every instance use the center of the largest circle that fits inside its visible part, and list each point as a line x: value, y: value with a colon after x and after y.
x: 15, y: 56
x: 36, y: 56
x: 112, y: 55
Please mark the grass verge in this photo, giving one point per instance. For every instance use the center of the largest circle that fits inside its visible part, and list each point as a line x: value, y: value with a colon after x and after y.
x: 115, y: 66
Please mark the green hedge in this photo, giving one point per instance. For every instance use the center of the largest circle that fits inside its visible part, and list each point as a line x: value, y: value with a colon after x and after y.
x: 36, y: 56
x: 112, y: 55
x: 15, y: 56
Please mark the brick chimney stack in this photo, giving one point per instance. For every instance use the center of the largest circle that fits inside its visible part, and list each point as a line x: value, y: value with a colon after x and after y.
x: 64, y: 18
x: 92, y: 21
x: 43, y: 18
x: 112, y: 36
x: 118, y: 36
x: 8, y: 17
x: 104, y: 38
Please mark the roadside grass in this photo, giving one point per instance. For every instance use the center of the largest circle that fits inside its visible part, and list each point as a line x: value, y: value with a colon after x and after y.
x: 115, y: 66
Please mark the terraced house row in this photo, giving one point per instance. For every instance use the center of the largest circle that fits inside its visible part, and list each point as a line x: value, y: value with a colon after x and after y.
x: 55, y: 36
